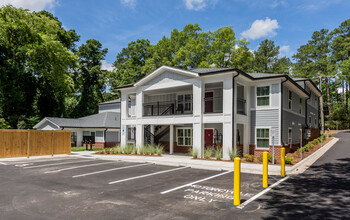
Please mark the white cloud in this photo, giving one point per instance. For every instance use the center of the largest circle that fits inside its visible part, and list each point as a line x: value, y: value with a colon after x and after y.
x: 33, y: 5
x: 198, y: 5
x: 261, y: 28
x: 106, y: 66
x: 128, y: 3
x: 285, y: 50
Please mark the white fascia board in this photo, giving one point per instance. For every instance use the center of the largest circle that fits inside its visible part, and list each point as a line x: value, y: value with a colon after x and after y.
x: 312, y: 88
x: 295, y: 89
x: 161, y: 70
x: 43, y: 121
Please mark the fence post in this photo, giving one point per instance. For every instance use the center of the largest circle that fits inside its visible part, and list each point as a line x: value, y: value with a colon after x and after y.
x: 28, y: 143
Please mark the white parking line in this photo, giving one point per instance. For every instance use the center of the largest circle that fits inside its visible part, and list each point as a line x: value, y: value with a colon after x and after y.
x: 72, y: 168
x: 41, y: 160
x: 151, y: 174
x: 241, y: 206
x: 198, y: 181
x: 53, y: 164
x: 104, y: 171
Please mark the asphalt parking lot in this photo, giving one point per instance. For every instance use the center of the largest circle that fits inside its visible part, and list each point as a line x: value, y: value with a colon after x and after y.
x: 87, y: 188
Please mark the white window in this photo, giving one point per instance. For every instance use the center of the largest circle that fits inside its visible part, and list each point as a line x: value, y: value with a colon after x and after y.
x: 263, y: 96
x: 290, y: 100
x: 184, y: 102
x: 300, y: 105
x: 184, y: 136
x: 262, y: 137
x: 289, y: 135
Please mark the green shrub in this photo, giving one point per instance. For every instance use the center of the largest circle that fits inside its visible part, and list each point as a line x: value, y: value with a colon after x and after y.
x: 233, y: 154
x: 109, y: 150
x: 151, y: 150
x: 249, y: 157
x: 127, y: 149
x: 218, y: 153
x: 315, y: 142
x: 159, y: 150
x: 306, y: 148
x: 269, y: 158
x: 208, y: 152
x: 134, y: 150
x: 194, y: 153
x: 143, y: 150
x: 289, y: 160
x: 117, y: 150
x: 100, y: 151
x: 330, y: 135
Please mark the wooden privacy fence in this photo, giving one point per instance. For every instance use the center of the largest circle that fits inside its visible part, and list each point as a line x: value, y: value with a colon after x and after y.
x: 26, y: 143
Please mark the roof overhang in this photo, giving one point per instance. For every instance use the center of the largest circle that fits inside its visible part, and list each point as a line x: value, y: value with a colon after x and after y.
x: 43, y: 121
x: 312, y: 86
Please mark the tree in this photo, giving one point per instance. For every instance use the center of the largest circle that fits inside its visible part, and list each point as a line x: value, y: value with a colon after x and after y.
x: 90, y: 80
x: 314, y: 57
x: 35, y: 57
x: 266, y: 59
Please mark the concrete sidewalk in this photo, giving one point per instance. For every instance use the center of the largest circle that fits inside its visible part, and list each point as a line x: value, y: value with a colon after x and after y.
x: 180, y: 160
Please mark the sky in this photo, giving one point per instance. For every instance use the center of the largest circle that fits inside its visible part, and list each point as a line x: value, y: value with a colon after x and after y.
x: 115, y: 23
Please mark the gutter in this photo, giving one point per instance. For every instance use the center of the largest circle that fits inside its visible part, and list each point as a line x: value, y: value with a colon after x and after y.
x: 281, y: 138
x: 233, y: 109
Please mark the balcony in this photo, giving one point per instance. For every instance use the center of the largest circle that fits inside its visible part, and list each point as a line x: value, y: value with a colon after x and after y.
x: 241, y: 106
x: 212, y: 104
x: 168, y: 108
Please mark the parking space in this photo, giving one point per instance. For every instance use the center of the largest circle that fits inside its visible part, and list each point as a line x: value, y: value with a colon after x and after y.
x: 76, y: 187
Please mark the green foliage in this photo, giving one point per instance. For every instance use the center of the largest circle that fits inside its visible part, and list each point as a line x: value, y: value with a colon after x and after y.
x: 233, y: 154
x: 193, y: 153
x: 76, y: 149
x: 218, y: 153
x: 159, y: 150
x: 269, y: 158
x: 4, y: 124
x: 117, y: 150
x: 128, y: 149
x: 330, y: 135
x: 249, y: 157
x: 289, y: 160
x: 208, y: 152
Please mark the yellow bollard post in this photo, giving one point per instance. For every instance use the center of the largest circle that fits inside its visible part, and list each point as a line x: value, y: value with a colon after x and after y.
x: 283, y: 162
x: 237, y: 182
x: 265, y: 169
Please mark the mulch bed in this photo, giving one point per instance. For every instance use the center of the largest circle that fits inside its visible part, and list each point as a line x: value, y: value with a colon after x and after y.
x: 129, y: 155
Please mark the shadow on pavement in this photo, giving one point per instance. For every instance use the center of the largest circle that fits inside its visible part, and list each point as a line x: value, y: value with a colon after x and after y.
x: 322, y: 192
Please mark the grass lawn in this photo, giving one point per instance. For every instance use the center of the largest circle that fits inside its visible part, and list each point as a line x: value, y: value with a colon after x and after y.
x: 75, y: 149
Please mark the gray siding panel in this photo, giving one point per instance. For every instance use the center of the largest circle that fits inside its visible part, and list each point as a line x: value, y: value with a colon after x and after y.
x: 112, y: 136
x: 267, y: 118
x: 275, y: 99
x: 313, y: 113
x: 167, y: 77
x: 291, y: 120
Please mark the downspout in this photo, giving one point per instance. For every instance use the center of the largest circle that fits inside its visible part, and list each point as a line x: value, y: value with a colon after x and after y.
x: 233, y: 109
x: 105, y: 135
x: 282, y: 112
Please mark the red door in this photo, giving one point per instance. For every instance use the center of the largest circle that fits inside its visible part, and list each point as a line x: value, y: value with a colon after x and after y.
x: 209, y: 102
x: 208, y: 137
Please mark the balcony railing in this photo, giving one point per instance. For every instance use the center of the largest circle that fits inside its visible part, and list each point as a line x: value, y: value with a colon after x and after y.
x: 213, y: 105
x: 241, y: 106
x: 167, y: 108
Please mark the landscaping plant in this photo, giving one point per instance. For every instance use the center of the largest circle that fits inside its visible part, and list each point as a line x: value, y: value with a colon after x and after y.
x: 233, y: 154
x: 128, y: 149
x: 289, y: 160
x: 218, y: 153
x: 194, y: 153
x: 159, y: 150
x: 208, y: 152
x: 249, y: 157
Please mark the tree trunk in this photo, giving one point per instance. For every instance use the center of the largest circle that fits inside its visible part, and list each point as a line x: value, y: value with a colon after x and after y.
x: 346, y: 95
x: 328, y: 98
x: 342, y: 94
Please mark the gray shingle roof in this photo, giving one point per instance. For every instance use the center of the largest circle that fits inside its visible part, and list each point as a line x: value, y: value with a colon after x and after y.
x: 102, y: 120
x: 209, y: 70
x: 262, y: 75
x: 110, y: 102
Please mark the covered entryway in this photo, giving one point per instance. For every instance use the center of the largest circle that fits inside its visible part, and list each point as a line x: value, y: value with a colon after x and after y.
x: 208, y: 137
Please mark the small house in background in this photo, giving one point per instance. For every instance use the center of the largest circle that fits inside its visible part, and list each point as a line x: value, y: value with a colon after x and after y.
x: 102, y: 129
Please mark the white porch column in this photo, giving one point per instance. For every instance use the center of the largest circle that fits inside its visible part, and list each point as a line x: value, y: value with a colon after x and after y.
x: 228, y: 112
x: 171, y: 139
x: 123, y: 134
x: 139, y: 135
x: 152, y: 136
x: 198, y: 128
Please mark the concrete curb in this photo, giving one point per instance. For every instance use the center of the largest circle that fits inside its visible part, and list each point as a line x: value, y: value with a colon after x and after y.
x: 306, y: 163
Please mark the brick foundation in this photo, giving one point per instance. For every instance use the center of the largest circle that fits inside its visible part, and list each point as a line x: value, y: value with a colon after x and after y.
x: 177, y: 149
x: 259, y: 152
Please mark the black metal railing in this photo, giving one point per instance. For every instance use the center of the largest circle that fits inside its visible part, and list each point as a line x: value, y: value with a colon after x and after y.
x: 167, y: 108
x: 241, y: 106
x: 213, y: 104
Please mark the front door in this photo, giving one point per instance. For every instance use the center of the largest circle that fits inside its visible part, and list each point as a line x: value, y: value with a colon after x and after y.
x: 209, y: 102
x: 208, y: 137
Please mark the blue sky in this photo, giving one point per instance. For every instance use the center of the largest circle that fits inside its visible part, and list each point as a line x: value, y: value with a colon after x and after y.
x: 117, y: 22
